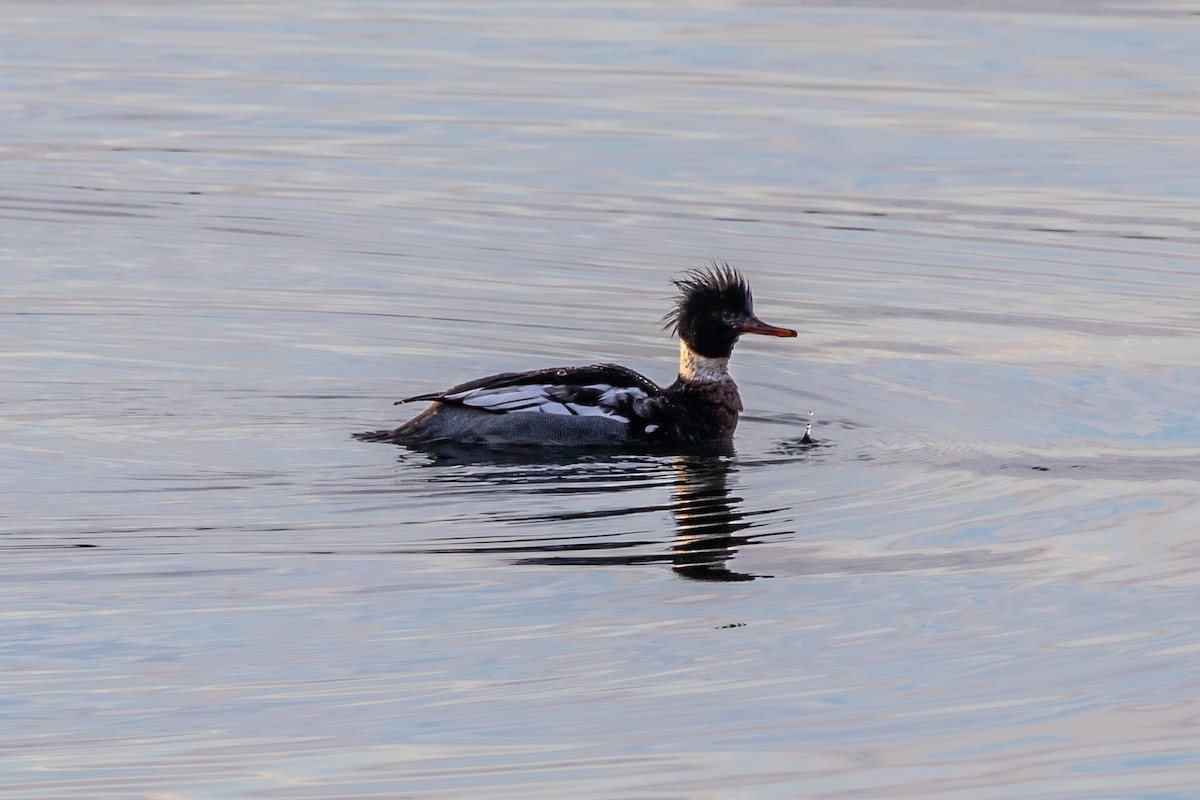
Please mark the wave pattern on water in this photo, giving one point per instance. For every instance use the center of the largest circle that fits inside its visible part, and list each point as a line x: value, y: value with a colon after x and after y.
x: 232, y: 238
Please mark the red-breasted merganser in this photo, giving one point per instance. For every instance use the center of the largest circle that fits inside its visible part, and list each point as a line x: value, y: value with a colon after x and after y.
x: 607, y: 404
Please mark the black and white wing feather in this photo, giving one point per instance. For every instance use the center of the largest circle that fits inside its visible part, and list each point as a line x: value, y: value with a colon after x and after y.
x: 603, y: 390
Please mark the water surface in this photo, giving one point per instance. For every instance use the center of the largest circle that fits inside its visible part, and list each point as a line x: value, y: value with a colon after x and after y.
x: 235, y: 232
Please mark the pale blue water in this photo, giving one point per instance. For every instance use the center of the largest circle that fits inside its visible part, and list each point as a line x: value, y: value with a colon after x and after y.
x: 234, y: 233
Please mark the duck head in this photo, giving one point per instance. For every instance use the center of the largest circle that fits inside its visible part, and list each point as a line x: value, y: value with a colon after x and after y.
x: 713, y: 309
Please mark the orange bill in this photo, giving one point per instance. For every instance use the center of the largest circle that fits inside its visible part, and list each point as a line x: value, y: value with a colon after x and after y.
x: 756, y: 325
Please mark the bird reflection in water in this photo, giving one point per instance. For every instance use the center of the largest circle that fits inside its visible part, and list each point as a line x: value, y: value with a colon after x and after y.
x: 708, y: 523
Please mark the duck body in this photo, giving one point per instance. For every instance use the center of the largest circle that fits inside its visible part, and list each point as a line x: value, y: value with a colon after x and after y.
x: 607, y: 404
x: 594, y: 405
x: 575, y: 406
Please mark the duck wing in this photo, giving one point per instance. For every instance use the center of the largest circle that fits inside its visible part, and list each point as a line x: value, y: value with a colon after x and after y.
x: 607, y: 390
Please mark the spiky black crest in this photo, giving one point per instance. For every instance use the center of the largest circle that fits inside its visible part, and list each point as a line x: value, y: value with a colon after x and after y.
x: 719, y: 287
x: 710, y: 302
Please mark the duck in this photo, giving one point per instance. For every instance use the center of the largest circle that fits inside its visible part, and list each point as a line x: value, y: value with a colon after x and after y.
x: 608, y: 404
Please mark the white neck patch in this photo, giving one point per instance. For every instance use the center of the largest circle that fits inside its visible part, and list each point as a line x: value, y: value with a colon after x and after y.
x: 696, y: 368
